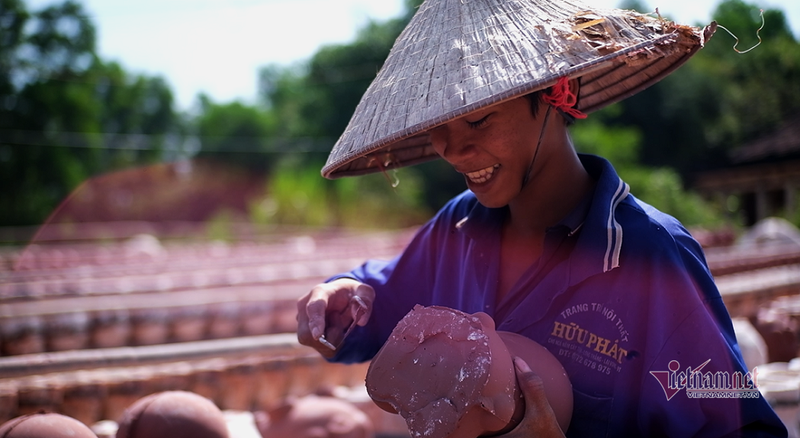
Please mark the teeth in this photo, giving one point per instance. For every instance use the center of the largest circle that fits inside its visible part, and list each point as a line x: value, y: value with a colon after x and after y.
x: 483, y: 175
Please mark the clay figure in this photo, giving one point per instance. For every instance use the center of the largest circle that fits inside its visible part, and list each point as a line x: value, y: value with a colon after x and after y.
x: 173, y: 414
x: 315, y: 416
x: 45, y: 425
x: 449, y: 374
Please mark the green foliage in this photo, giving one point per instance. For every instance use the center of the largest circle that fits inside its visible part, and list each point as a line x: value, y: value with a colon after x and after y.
x: 297, y: 195
x: 65, y: 115
x: 660, y: 187
x: 314, y: 103
x: 390, y: 200
x: 218, y: 228
x: 755, y: 90
x: 619, y: 145
x: 318, y: 99
x: 13, y: 17
x: 721, y: 99
x: 236, y: 133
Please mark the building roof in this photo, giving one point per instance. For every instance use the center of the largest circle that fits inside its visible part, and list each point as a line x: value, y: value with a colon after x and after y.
x: 782, y: 142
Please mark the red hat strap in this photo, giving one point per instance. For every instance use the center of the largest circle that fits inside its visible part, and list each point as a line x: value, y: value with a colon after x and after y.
x: 563, y: 99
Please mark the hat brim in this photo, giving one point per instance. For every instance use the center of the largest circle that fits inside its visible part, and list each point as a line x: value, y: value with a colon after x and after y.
x: 605, y: 79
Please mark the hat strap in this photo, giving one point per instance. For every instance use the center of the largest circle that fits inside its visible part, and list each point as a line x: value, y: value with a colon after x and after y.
x: 526, y: 178
x: 563, y: 99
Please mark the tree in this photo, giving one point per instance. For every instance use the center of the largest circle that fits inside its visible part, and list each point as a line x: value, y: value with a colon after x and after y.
x: 65, y: 114
x: 757, y: 89
x: 237, y: 134
x: 316, y: 101
x: 659, y: 186
x: 720, y: 99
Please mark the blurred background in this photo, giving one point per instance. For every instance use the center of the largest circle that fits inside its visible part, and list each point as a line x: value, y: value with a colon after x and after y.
x: 160, y: 185
x: 237, y: 105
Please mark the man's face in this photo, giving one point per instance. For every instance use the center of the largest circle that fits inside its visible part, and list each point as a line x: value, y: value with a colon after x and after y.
x: 492, y: 148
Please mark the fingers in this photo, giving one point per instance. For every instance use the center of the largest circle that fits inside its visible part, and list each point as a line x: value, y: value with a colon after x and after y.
x: 539, y: 420
x: 532, y: 387
x: 363, y: 305
x: 316, y: 308
x: 304, y: 335
x: 329, y: 308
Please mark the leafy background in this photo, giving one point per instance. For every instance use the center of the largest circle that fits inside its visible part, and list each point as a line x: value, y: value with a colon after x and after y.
x: 84, y: 140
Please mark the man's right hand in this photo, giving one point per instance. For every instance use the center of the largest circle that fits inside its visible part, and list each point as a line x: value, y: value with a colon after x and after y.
x: 329, y: 309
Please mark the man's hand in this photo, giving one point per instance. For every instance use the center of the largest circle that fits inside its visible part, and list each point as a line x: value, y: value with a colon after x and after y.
x: 539, y: 419
x: 329, y: 309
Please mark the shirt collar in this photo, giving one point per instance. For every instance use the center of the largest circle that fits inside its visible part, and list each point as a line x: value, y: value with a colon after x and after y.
x: 482, y: 222
x: 600, y: 243
x: 575, y: 219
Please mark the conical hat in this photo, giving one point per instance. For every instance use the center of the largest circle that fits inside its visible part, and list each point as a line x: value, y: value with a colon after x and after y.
x: 459, y: 56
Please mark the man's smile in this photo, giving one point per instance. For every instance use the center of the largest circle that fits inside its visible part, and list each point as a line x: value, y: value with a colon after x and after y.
x: 483, y: 175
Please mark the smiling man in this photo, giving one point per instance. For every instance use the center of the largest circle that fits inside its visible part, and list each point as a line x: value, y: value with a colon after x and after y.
x: 549, y: 243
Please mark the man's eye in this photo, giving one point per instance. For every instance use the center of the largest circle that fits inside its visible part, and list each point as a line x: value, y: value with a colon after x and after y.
x: 478, y: 123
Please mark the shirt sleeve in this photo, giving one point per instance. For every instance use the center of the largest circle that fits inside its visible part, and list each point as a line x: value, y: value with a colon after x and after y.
x: 716, y: 395
x: 399, y: 284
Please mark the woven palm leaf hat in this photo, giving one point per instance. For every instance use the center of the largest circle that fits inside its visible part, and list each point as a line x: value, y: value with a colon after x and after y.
x: 460, y: 56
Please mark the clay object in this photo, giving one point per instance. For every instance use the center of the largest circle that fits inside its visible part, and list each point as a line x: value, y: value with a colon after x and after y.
x: 556, y: 383
x: 45, y: 426
x: 315, y: 416
x: 173, y: 414
x: 450, y: 374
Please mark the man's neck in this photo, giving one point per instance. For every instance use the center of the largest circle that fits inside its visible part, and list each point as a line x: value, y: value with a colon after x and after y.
x: 560, y: 184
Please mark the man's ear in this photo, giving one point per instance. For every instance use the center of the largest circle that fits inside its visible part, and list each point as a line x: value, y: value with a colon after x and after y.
x: 574, y: 86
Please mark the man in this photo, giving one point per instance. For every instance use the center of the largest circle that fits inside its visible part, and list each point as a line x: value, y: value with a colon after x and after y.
x: 550, y: 244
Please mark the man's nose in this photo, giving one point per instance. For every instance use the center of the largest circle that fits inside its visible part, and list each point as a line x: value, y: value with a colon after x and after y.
x: 448, y: 142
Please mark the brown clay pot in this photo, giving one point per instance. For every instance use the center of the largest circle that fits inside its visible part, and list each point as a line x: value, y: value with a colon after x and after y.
x: 110, y: 328
x: 449, y: 374
x: 67, y: 331
x: 45, y: 426
x: 315, y: 416
x: 173, y: 414
x: 149, y: 326
x: 556, y: 382
x: 22, y: 335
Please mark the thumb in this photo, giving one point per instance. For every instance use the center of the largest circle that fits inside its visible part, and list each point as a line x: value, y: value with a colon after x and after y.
x: 364, y: 296
x: 316, y: 317
x: 536, y: 404
x: 532, y: 387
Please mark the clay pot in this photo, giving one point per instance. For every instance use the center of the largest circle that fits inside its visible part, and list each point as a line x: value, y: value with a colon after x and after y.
x: 557, y: 386
x: 22, y: 335
x: 83, y: 398
x: 257, y: 318
x: 224, y: 320
x: 45, y: 426
x: 315, y: 416
x: 111, y: 328
x: 238, y: 386
x: 43, y: 393
x: 173, y: 414
x: 149, y: 326
x: 67, y: 331
x: 449, y: 374
x: 9, y: 400
x: 188, y: 324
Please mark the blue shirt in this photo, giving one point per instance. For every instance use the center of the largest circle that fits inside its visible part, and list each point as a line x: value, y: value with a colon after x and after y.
x: 621, y: 295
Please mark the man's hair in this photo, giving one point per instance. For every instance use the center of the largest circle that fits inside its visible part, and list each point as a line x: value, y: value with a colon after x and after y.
x: 534, y: 99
